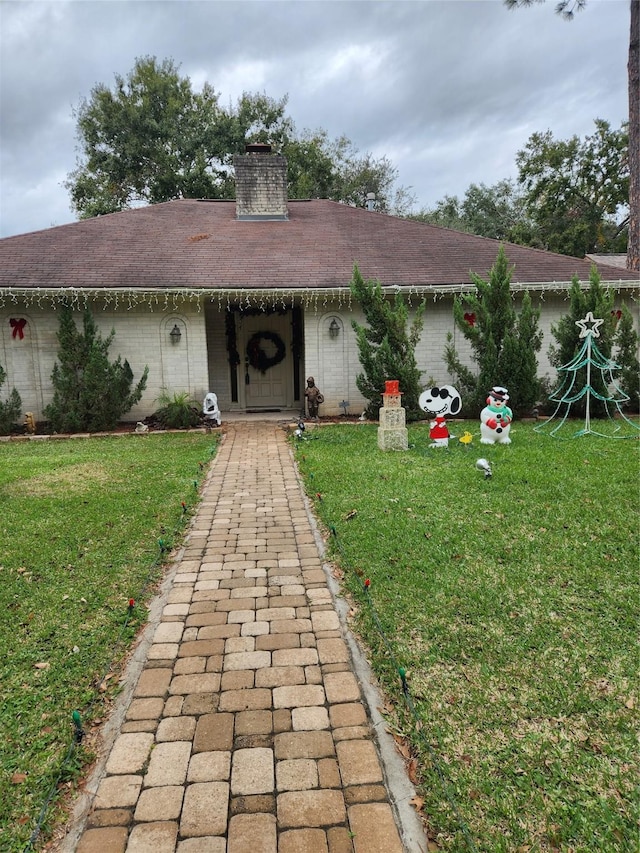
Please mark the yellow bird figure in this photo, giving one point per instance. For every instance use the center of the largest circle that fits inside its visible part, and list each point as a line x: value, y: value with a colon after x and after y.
x: 466, y: 438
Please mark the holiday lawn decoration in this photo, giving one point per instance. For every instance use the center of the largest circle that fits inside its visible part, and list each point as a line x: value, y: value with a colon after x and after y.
x: 211, y: 410
x: 570, y: 391
x: 440, y: 401
x: 392, y: 432
x: 262, y: 358
x: 496, y: 417
x: 314, y: 397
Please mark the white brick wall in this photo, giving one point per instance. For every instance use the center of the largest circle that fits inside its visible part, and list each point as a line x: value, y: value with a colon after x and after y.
x: 199, y: 362
x: 335, y: 364
x: 142, y: 337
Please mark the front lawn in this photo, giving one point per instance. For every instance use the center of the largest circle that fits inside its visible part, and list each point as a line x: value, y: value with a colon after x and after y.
x: 85, y: 525
x: 512, y: 603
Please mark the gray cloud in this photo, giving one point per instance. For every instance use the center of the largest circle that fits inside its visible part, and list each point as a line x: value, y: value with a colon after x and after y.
x: 449, y: 90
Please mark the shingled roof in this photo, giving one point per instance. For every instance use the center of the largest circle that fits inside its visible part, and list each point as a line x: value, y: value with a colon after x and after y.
x: 197, y: 244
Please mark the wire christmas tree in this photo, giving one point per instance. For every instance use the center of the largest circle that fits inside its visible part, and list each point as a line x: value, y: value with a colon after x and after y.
x: 569, y: 392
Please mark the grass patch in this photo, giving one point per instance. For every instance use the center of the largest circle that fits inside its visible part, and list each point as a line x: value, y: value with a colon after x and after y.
x: 512, y: 603
x: 80, y: 529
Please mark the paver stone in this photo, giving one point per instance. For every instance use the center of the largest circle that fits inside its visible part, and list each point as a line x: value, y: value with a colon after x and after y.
x: 116, y: 792
x: 111, y: 840
x: 373, y: 828
x: 252, y: 772
x: 252, y: 833
x: 129, y: 753
x: 205, y: 808
x: 157, y: 837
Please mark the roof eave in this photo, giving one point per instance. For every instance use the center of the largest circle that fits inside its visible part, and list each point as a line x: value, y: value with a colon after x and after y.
x: 266, y: 299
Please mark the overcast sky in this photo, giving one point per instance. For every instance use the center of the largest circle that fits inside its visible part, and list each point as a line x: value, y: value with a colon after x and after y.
x: 448, y: 90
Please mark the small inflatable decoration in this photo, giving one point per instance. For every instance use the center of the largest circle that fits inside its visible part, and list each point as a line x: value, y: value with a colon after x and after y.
x: 496, y: 417
x: 210, y: 409
x: 440, y: 402
x: 466, y: 438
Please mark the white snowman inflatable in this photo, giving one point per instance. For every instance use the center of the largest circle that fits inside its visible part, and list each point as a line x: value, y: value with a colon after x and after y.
x: 496, y: 417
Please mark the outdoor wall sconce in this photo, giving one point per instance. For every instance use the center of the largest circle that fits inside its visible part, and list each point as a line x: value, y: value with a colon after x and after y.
x: 334, y: 328
x: 175, y: 334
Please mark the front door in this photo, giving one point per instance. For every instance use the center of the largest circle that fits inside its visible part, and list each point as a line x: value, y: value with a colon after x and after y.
x: 266, y: 354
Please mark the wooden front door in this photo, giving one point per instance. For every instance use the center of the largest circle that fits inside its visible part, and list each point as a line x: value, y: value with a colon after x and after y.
x: 263, y: 336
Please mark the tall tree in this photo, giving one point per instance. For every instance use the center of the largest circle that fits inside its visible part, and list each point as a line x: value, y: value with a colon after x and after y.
x: 320, y: 167
x: 504, y: 344
x: 153, y: 138
x: 572, y: 196
x: 575, y: 190
x: 497, y: 211
x: 567, y: 8
x: 633, y: 68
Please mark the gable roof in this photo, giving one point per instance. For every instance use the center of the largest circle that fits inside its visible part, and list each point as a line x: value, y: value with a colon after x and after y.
x: 194, y: 244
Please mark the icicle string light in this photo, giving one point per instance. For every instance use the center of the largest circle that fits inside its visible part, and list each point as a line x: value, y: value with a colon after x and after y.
x: 260, y: 298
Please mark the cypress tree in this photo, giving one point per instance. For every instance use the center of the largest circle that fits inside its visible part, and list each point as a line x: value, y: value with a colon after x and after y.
x: 386, y: 346
x: 503, y: 343
x: 567, y: 334
x: 10, y: 409
x: 90, y: 392
x: 626, y: 356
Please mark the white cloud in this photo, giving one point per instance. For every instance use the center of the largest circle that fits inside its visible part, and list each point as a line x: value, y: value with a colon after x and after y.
x: 449, y: 91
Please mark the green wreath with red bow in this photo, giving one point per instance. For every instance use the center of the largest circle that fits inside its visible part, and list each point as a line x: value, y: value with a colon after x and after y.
x: 258, y: 357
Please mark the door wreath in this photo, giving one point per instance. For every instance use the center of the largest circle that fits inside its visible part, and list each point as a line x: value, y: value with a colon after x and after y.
x: 258, y: 358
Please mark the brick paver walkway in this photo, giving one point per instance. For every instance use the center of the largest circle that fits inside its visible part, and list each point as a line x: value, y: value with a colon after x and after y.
x: 246, y: 732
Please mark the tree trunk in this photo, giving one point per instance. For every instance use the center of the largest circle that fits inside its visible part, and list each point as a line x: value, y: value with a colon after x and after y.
x: 633, y: 249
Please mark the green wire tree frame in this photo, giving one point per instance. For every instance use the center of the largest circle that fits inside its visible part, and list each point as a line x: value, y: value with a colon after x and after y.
x: 589, y: 357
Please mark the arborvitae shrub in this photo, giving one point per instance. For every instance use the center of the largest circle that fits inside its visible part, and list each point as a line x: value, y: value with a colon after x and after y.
x: 386, y: 346
x: 10, y: 409
x: 504, y: 343
x: 91, y: 393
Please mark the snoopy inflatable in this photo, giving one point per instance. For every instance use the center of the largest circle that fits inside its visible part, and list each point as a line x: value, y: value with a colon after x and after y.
x: 440, y: 402
x: 496, y: 417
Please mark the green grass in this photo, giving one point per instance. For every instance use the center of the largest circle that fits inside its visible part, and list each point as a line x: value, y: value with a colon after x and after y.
x: 512, y: 602
x: 80, y: 524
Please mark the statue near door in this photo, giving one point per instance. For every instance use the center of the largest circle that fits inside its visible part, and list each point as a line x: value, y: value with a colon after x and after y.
x: 314, y: 398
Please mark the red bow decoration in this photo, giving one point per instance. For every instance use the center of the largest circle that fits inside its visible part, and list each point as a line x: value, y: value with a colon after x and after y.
x: 470, y: 318
x: 616, y: 315
x: 17, y: 325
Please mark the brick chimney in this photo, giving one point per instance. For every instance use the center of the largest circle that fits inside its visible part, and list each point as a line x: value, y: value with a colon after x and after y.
x: 261, y: 184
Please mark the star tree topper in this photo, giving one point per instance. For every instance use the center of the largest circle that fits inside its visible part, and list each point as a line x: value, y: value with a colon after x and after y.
x: 592, y: 323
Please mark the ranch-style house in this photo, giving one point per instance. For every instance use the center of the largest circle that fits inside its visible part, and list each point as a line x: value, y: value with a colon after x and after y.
x: 248, y: 298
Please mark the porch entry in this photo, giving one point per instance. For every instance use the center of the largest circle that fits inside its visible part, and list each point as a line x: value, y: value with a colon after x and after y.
x: 266, y: 361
